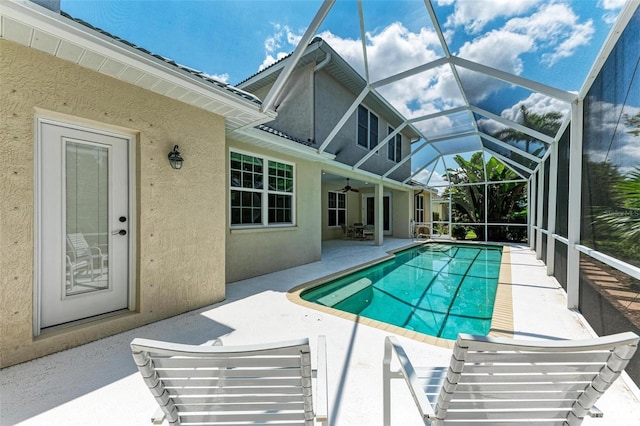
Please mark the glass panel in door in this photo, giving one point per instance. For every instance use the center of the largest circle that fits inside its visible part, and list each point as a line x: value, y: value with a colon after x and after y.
x: 87, y: 217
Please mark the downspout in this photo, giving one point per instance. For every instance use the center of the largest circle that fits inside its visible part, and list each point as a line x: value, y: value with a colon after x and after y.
x: 312, y: 109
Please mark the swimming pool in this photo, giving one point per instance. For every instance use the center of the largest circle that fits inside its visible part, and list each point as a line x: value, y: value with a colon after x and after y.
x: 436, y: 289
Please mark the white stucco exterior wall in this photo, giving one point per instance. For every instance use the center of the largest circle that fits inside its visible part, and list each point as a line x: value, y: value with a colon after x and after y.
x: 180, y: 219
x: 261, y: 250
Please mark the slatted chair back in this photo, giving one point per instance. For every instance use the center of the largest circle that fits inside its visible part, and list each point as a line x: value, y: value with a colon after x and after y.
x: 79, y: 245
x: 214, y: 385
x: 504, y: 382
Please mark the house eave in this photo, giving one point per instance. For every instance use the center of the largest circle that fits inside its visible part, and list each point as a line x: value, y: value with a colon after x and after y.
x: 31, y: 25
x: 260, y: 138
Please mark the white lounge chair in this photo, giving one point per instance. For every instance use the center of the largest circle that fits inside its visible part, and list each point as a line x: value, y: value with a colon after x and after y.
x: 82, y: 251
x: 495, y: 381
x: 240, y: 385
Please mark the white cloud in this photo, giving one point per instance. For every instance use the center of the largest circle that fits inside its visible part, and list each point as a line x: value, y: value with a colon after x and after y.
x: 538, y: 104
x: 581, y: 36
x: 612, y: 4
x: 485, y: 50
x: 279, y: 44
x: 553, y: 26
x: 475, y: 15
x: 552, y: 30
x: 220, y: 77
x: 621, y: 149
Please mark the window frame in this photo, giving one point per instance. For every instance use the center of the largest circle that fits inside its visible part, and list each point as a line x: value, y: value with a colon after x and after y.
x: 419, y: 210
x: 335, y: 210
x: 394, y: 146
x: 265, y: 193
x: 368, y: 128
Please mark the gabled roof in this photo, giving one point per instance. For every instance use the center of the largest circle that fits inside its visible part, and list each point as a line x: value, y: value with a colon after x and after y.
x: 321, y: 53
x: 78, y: 42
x: 472, y: 124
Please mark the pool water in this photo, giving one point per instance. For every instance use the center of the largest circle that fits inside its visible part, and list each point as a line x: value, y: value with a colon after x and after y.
x: 436, y: 289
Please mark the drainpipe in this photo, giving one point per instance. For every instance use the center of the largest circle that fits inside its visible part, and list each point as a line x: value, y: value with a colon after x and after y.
x: 312, y: 128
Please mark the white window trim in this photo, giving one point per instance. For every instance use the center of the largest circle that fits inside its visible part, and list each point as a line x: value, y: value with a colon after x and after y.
x: 336, y: 209
x: 369, y: 114
x: 393, y: 142
x: 264, y: 192
x: 419, y: 196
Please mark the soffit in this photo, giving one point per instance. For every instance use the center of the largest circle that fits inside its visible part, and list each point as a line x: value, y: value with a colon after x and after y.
x: 77, y: 42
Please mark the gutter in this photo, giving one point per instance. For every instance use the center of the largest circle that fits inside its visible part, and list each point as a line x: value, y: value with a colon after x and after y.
x: 37, y: 18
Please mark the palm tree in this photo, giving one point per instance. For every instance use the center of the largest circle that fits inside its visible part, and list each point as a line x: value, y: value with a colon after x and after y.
x: 548, y: 123
x: 507, y: 202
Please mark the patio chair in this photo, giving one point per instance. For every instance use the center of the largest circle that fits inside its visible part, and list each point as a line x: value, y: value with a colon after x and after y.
x: 348, y: 231
x: 74, y: 266
x: 240, y: 385
x: 81, y: 250
x: 422, y: 231
x: 501, y: 381
x: 368, y: 232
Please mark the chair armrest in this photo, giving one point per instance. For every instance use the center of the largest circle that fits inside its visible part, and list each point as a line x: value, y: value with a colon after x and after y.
x: 92, y: 248
x: 158, y: 416
x: 595, y: 412
x: 408, y: 372
x: 322, y: 402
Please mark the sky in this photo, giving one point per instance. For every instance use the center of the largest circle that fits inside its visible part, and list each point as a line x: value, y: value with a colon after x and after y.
x: 554, y: 42
x: 233, y: 39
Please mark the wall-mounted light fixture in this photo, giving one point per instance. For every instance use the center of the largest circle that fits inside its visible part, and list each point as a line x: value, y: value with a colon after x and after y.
x: 175, y: 159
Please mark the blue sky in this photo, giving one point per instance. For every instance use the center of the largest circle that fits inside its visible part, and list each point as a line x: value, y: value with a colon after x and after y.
x: 554, y: 42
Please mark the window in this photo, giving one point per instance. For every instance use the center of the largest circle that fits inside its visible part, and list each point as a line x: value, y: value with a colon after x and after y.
x: 337, y: 208
x: 252, y: 203
x: 367, y: 128
x: 394, y: 146
x: 419, y: 204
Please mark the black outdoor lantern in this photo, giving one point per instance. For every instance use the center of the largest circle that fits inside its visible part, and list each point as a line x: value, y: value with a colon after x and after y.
x: 175, y: 159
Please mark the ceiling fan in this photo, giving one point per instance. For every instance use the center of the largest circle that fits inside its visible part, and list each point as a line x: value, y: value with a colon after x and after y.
x: 348, y: 188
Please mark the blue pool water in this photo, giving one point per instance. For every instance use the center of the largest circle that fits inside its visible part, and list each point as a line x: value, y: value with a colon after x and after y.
x: 435, y: 289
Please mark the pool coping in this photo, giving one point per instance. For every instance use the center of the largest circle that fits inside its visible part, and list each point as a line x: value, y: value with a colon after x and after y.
x: 501, y: 320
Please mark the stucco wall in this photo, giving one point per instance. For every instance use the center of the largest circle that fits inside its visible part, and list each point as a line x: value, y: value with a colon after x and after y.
x: 257, y: 251
x: 354, y: 211
x: 180, y: 214
x: 294, y: 105
x: 332, y: 101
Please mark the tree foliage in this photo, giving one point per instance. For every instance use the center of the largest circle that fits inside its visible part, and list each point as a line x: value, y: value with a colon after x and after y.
x: 506, y: 201
x: 548, y: 123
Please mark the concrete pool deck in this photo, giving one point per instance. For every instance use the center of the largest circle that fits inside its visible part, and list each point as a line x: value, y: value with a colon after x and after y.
x: 98, y: 383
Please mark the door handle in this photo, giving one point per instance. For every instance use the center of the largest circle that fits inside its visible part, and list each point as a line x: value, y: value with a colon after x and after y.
x: 120, y: 232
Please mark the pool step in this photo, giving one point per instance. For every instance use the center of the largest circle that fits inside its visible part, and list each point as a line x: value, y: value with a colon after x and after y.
x: 344, y: 293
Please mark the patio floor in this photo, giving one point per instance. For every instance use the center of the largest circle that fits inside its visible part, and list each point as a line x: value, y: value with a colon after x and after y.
x: 98, y: 383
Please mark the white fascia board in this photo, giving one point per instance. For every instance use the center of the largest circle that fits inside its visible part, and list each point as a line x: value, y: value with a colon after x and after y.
x: 532, y: 85
x: 40, y: 18
x: 348, y: 171
x: 293, y: 148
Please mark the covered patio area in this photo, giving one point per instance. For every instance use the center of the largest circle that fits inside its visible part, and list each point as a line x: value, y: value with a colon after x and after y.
x: 98, y: 383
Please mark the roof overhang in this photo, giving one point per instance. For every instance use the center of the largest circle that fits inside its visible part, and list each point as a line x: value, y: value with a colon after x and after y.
x: 31, y: 25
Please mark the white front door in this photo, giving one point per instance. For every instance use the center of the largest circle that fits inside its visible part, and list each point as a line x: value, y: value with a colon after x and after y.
x: 83, y: 223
